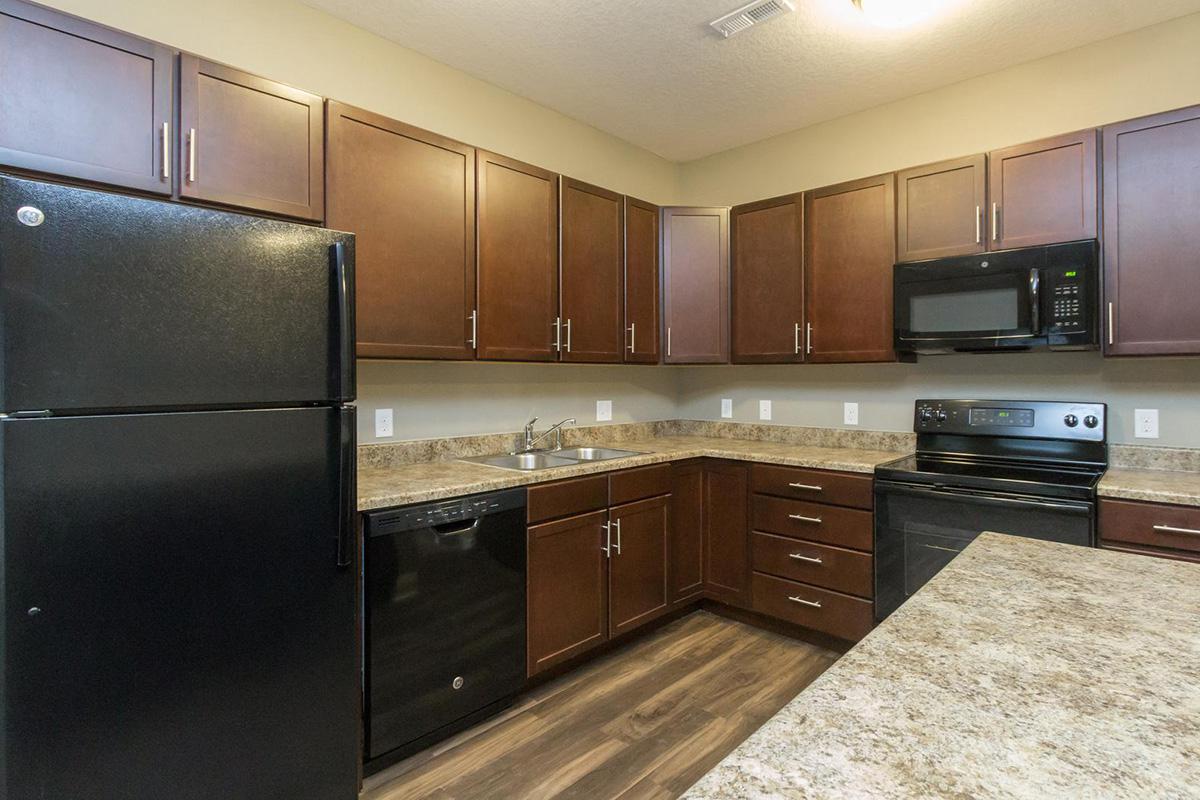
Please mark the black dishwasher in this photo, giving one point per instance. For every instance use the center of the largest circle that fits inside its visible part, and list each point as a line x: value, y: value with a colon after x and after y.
x: 444, y: 627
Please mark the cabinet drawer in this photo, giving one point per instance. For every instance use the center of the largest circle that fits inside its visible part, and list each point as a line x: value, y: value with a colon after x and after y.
x: 573, y: 496
x: 831, y: 567
x: 1175, y: 527
x: 820, y: 609
x: 813, y: 521
x: 1174, y: 555
x: 839, y: 488
x: 639, y: 483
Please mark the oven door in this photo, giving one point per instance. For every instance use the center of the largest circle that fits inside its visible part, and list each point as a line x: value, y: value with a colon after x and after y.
x: 920, y: 529
x: 967, y: 308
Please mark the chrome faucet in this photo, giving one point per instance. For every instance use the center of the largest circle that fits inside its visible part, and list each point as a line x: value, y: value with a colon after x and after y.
x: 556, y: 429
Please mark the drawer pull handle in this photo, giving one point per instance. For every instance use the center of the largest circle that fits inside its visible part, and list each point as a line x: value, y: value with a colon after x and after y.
x: 808, y: 486
x: 809, y: 559
x: 802, y: 518
x: 803, y: 602
x: 1173, y: 529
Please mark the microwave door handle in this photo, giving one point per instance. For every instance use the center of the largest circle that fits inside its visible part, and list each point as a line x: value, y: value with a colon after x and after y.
x: 1035, y: 301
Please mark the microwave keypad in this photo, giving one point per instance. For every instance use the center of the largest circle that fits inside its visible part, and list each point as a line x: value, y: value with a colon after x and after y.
x: 1067, y: 310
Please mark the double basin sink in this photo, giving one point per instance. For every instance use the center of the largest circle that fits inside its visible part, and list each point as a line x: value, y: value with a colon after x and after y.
x: 527, y: 462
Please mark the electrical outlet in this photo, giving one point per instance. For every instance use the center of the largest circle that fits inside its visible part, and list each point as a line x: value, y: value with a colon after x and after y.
x: 726, y: 408
x: 1145, y: 423
x: 850, y: 413
x: 383, y: 423
x: 604, y: 411
x: 764, y: 409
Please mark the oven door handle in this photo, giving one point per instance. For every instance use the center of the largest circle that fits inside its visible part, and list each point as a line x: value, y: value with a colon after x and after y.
x: 1081, y: 508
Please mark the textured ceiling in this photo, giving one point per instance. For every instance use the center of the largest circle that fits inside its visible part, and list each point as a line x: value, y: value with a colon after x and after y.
x: 654, y: 74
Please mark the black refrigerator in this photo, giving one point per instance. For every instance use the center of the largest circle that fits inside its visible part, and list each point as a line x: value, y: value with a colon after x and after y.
x: 178, y: 508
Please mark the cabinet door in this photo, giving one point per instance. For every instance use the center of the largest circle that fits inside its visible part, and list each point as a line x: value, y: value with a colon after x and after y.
x: 637, y: 566
x: 1043, y: 192
x: 518, y: 260
x: 939, y: 209
x: 687, y: 531
x: 696, y: 285
x: 591, y: 272
x: 849, y: 252
x: 249, y: 142
x: 1151, y: 236
x: 409, y: 198
x: 568, y: 588
x: 768, y: 282
x: 726, y: 533
x: 641, y: 282
x: 83, y: 101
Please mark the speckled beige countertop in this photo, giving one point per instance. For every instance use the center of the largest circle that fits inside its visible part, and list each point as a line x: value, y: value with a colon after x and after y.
x: 1153, y: 485
x: 1011, y: 674
x: 380, y: 487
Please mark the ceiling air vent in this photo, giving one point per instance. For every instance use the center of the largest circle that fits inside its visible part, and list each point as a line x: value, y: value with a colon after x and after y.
x: 750, y: 14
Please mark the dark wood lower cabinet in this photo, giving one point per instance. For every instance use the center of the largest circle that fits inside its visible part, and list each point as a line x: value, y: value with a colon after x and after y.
x: 822, y: 610
x: 726, y: 540
x: 686, y: 571
x: 637, y: 563
x: 568, y: 589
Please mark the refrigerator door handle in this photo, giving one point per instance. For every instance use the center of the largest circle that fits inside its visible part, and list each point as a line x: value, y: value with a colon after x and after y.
x: 343, y: 387
x: 347, y: 492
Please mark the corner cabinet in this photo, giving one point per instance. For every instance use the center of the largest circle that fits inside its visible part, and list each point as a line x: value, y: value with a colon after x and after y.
x: 1151, y: 235
x: 695, y: 285
x: 641, y: 282
x: 592, y: 265
x: 726, y: 532
x: 849, y: 252
x: 409, y: 198
x: 248, y: 142
x: 84, y: 101
x: 939, y: 209
x: 517, y: 230
x: 768, y: 280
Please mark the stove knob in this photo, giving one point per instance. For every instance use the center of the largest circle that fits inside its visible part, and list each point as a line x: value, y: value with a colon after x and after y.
x: 926, y: 415
x: 1091, y: 421
x: 941, y: 416
x: 1071, y: 420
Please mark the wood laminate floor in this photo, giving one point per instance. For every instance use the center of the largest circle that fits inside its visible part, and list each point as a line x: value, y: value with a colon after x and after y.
x: 645, y: 721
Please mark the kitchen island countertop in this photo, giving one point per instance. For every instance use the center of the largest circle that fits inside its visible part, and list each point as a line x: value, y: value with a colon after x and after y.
x: 1025, y: 669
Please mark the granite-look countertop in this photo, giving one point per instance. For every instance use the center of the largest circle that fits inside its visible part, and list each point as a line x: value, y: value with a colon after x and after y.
x: 381, y: 487
x: 1153, y: 485
x: 1024, y: 669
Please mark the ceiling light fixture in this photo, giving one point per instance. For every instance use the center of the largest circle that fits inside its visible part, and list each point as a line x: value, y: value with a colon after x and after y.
x: 896, y: 13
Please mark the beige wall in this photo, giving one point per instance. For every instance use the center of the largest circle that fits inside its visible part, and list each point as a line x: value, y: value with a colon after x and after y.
x: 1149, y: 70
x: 295, y: 44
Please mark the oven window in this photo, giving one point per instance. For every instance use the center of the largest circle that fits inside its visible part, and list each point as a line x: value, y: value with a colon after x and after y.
x: 981, y: 310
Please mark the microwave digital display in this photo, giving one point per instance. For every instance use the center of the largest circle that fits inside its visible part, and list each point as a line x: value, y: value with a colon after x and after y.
x: 1008, y: 417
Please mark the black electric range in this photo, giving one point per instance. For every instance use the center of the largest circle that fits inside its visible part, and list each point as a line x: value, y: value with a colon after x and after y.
x: 1027, y: 468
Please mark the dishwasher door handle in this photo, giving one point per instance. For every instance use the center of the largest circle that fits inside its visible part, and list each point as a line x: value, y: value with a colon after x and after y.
x: 442, y: 530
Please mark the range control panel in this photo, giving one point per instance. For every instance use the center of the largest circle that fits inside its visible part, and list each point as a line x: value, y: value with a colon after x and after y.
x: 1030, y: 419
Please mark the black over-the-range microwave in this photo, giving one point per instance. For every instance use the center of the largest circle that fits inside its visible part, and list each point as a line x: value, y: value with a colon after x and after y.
x: 1034, y: 298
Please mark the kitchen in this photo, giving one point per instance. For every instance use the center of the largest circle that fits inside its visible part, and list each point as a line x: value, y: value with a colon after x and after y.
x: 635, y: 438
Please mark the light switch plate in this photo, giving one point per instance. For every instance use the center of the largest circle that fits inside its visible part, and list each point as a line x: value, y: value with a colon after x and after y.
x: 1145, y: 423
x: 726, y: 408
x: 764, y: 409
x: 604, y: 411
x: 850, y: 413
x: 383, y: 423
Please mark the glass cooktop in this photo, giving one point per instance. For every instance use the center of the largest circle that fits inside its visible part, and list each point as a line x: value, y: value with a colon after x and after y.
x: 1038, y: 479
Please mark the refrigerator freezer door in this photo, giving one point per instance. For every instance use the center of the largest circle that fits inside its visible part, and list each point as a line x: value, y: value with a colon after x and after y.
x: 116, y: 302
x: 176, y: 624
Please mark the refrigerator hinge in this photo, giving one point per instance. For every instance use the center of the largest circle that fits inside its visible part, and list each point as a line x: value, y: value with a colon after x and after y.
x: 26, y: 414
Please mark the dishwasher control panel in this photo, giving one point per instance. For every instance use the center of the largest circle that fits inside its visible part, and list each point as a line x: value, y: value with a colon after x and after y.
x: 426, y: 515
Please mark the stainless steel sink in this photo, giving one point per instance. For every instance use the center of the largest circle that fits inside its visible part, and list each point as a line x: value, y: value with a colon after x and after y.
x: 524, y: 461
x: 596, y: 453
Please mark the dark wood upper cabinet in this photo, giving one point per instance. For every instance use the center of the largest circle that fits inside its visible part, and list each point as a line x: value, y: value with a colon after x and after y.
x: 1151, y: 235
x: 1043, y: 192
x: 686, y: 573
x: 641, y: 282
x: 592, y: 272
x: 849, y: 253
x: 517, y: 211
x: 249, y: 142
x: 726, y: 532
x: 696, y: 285
x: 83, y: 101
x: 567, y: 589
x: 637, y: 566
x: 939, y: 209
x: 409, y: 197
x: 767, y: 280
